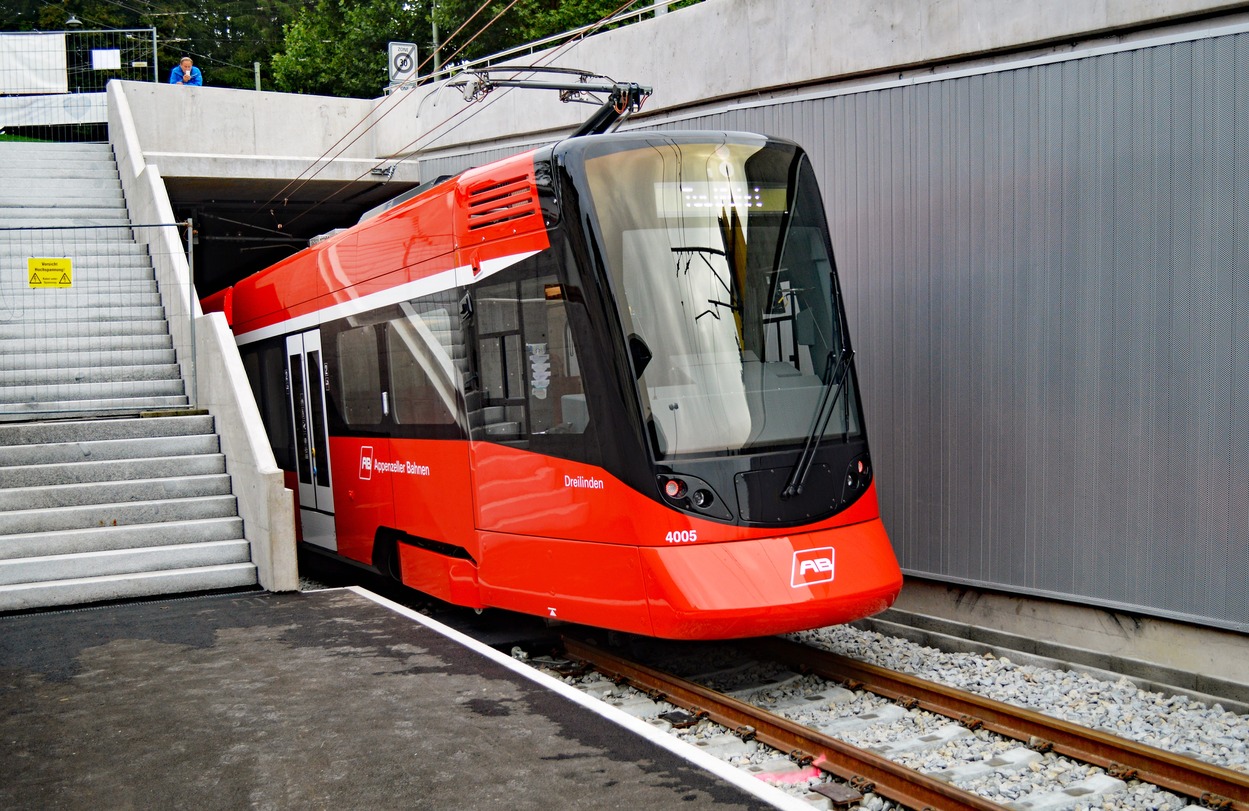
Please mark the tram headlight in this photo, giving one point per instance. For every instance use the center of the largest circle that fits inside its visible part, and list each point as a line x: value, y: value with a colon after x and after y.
x: 858, y: 477
x: 675, y: 488
x: 702, y: 499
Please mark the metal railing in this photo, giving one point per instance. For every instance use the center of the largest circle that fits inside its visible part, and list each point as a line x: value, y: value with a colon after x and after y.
x: 83, y: 327
x: 440, y: 72
x: 52, y: 83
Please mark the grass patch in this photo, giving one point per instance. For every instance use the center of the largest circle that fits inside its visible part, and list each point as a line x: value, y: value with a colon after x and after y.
x: 4, y: 136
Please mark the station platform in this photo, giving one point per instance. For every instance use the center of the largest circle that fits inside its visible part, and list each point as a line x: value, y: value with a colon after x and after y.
x: 330, y: 699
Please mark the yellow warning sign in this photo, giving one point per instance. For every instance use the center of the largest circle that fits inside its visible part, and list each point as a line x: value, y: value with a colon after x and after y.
x: 50, y: 272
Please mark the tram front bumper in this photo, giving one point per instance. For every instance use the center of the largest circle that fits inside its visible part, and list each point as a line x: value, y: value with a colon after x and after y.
x: 770, y: 585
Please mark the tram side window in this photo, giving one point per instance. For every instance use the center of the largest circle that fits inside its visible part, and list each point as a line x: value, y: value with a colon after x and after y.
x: 529, y: 370
x: 555, y: 394
x: 498, y: 331
x: 360, y: 377
x: 422, y: 348
x: 266, y: 372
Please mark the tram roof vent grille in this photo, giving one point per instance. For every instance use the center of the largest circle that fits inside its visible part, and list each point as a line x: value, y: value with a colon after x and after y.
x: 502, y: 202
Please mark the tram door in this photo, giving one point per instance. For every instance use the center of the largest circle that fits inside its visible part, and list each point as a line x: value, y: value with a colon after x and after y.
x: 305, y: 369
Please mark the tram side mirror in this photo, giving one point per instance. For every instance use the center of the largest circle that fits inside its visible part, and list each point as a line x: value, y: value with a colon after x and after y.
x: 640, y: 352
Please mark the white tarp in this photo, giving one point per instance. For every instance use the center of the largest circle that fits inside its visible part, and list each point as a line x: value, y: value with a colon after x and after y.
x: 33, y: 63
x: 37, y: 111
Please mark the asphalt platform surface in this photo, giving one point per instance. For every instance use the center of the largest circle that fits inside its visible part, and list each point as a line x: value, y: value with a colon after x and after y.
x: 316, y: 700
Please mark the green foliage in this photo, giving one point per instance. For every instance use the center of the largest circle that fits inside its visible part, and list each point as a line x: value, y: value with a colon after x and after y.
x: 338, y: 47
x: 329, y: 47
x: 527, y: 21
x: 224, y: 37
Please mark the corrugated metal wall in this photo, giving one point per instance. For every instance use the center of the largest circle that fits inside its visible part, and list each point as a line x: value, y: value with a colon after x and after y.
x: 1047, y: 269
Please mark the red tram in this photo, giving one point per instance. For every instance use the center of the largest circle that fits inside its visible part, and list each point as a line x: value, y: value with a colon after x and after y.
x: 608, y: 381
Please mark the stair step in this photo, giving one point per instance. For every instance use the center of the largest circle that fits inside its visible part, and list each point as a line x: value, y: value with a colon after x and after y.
x: 139, y: 281
x: 78, y: 394
x: 38, y: 373
x: 74, y: 433
x: 36, y: 303
x: 40, y: 173
x: 51, y: 160
x: 69, y: 345
x: 109, y: 493
x: 71, y: 451
x: 134, y: 273
x: 78, y: 313
x: 85, y: 197
x: 123, y: 561
x: 41, y: 330
x: 117, y: 587
x: 15, y: 361
x: 42, y: 170
x: 20, y: 522
x: 72, y: 209
x: 126, y: 273
x: 88, y: 245
x: 68, y: 180
x: 106, y: 450
x: 114, y: 470
x: 131, y: 536
x: 60, y: 221
x: 40, y: 197
x: 101, y: 407
x: 101, y: 150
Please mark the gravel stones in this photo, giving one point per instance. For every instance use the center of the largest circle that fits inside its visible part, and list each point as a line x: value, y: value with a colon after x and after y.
x: 997, y: 768
x: 1174, y: 723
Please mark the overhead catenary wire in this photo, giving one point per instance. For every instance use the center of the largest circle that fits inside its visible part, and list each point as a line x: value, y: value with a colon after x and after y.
x: 327, y: 158
x: 433, y: 133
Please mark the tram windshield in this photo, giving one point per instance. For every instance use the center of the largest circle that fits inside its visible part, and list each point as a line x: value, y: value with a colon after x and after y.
x: 720, y: 260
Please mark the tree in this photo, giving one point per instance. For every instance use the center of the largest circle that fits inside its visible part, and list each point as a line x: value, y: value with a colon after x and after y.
x: 38, y: 15
x: 224, y: 37
x: 526, y: 21
x: 338, y: 47
x: 330, y: 47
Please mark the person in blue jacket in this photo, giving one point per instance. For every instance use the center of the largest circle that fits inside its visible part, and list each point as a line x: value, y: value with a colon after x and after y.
x: 185, y: 72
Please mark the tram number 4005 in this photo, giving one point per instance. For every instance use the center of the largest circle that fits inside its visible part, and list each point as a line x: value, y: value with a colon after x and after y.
x: 682, y: 536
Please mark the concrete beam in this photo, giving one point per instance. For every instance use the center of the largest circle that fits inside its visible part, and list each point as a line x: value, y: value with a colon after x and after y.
x: 212, y: 132
x: 730, y: 49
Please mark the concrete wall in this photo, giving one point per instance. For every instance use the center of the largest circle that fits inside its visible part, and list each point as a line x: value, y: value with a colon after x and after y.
x: 210, y: 362
x: 734, y: 49
x: 267, y: 507
x: 218, y: 132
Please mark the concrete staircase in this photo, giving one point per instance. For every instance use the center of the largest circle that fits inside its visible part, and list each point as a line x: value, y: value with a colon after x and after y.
x: 101, y: 346
x: 108, y: 509
x: 96, y: 502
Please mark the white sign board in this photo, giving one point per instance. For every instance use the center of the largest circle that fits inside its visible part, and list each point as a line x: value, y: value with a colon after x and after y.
x: 401, y: 56
x: 106, y: 59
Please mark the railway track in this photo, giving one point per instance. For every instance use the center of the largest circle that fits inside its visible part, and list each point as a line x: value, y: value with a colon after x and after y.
x: 863, y: 771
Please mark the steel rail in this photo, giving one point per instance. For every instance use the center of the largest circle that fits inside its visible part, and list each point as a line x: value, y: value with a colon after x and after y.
x: 1215, y: 786
x: 864, y: 770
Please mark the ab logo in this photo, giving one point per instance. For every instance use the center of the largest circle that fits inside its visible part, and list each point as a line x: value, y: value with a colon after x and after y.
x: 366, y: 462
x: 812, y: 566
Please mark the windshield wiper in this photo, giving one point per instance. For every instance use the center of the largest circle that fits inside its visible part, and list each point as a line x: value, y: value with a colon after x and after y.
x: 828, y: 404
x: 702, y: 254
